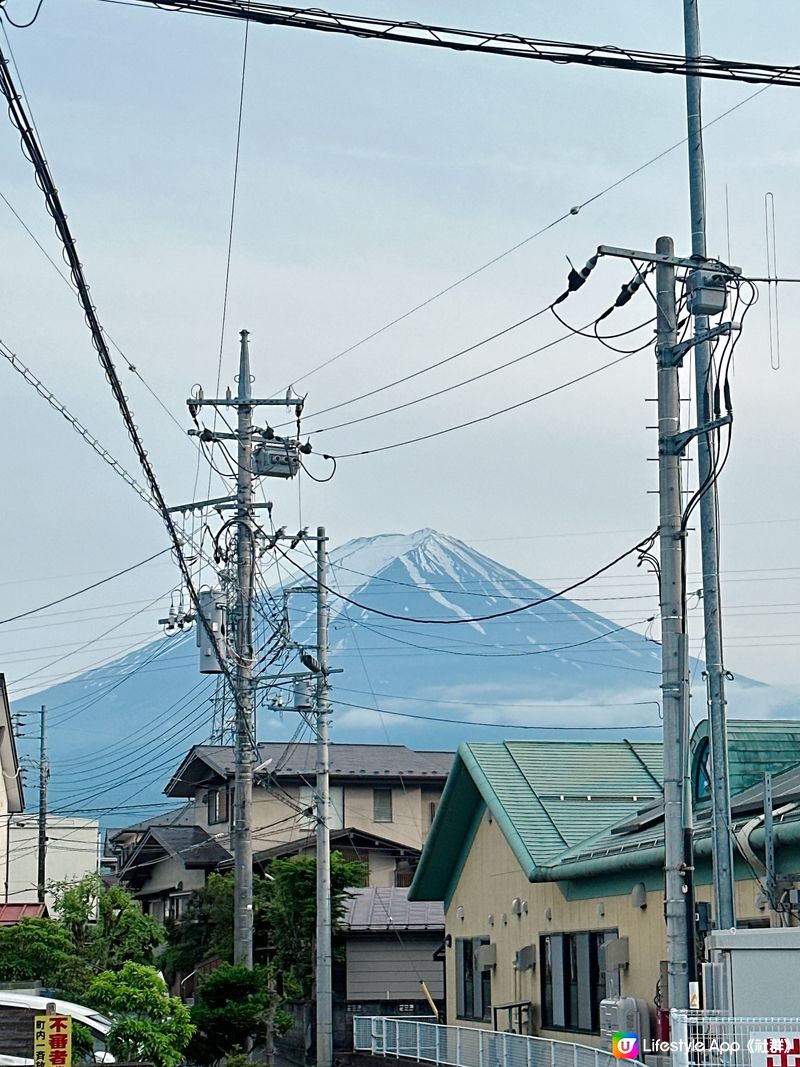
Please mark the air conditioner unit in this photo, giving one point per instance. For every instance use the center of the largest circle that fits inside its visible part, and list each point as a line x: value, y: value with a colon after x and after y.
x: 627, y: 1015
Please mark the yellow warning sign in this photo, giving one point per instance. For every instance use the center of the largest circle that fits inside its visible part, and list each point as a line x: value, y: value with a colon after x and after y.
x: 52, y: 1041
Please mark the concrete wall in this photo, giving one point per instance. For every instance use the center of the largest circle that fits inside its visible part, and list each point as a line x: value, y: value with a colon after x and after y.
x: 492, y: 878
x: 72, y: 851
x: 391, y: 967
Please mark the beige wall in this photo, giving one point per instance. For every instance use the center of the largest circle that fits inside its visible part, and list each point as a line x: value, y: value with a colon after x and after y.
x: 275, y: 821
x: 492, y: 878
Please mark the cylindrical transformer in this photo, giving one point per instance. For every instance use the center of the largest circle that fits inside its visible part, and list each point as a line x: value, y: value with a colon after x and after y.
x: 302, y: 694
x: 211, y: 638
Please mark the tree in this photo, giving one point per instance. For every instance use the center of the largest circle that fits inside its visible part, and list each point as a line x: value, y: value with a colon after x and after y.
x: 148, y: 1024
x: 292, y: 911
x: 207, y: 927
x: 107, y: 925
x: 284, y: 920
x: 231, y: 1007
x: 40, y: 950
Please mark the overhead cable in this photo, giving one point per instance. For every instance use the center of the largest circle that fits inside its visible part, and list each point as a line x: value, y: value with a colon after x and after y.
x: 509, y: 45
x: 35, y: 154
x: 85, y: 589
x: 646, y: 542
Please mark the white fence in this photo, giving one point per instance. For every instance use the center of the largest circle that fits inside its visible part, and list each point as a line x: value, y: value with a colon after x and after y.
x: 717, y: 1039
x: 464, y: 1046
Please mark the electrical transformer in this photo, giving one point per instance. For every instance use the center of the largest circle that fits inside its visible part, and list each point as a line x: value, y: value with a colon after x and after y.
x: 279, y: 458
x: 213, y: 645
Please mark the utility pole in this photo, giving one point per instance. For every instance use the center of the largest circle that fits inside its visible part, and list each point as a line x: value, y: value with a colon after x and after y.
x: 709, y: 533
x: 324, y: 955
x: 246, y: 756
x: 44, y: 777
x: 708, y: 290
x: 44, y: 774
x: 673, y: 616
x: 269, y: 456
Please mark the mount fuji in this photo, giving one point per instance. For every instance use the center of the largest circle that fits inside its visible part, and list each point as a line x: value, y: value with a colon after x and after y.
x: 116, y: 732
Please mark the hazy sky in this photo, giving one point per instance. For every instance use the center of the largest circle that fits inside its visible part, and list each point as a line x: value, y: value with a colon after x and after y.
x: 373, y: 175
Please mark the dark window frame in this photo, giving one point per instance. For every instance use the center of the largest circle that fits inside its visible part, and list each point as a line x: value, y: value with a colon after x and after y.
x: 218, y: 805
x: 571, y: 979
x: 473, y: 983
x: 384, y: 792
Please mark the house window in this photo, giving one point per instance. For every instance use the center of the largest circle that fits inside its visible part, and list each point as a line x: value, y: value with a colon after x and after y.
x: 473, y: 982
x: 573, y: 980
x: 381, y: 805
x: 217, y: 800
x: 432, y: 806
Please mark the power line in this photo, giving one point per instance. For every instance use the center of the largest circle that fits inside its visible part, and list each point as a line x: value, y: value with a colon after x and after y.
x: 85, y: 589
x: 509, y: 45
x: 639, y: 546
x: 35, y: 154
x: 483, y: 418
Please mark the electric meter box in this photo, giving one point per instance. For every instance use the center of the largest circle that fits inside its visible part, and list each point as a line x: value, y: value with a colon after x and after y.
x: 276, y: 459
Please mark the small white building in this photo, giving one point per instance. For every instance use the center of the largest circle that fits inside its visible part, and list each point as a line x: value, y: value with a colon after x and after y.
x: 12, y: 801
x: 73, y: 850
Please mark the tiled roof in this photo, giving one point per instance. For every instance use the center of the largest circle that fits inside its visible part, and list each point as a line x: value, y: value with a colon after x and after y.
x: 290, y: 760
x: 191, y: 844
x: 12, y: 913
x: 374, y: 909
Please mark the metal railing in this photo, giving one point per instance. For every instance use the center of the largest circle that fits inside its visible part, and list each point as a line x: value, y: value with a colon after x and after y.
x: 718, y: 1039
x: 465, y: 1046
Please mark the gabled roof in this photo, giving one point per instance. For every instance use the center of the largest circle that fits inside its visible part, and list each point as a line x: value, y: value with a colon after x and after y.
x: 215, y: 763
x: 190, y: 844
x: 180, y: 816
x: 375, y: 909
x: 9, y: 761
x: 546, y: 797
x: 350, y: 837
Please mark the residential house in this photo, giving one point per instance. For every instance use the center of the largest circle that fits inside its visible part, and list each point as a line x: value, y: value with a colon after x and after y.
x: 548, y: 857
x: 383, y: 800
x: 12, y: 800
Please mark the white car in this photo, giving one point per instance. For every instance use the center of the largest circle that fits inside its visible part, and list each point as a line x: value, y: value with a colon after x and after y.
x: 97, y: 1024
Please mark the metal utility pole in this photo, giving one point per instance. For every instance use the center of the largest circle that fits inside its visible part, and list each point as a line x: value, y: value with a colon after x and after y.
x: 709, y: 533
x: 324, y: 957
x: 44, y: 774
x: 673, y: 645
x: 246, y: 756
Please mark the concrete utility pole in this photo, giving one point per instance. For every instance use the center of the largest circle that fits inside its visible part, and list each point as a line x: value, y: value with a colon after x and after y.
x: 272, y: 457
x: 715, y: 672
x: 44, y: 774
x: 324, y: 958
x: 673, y: 601
x: 246, y: 756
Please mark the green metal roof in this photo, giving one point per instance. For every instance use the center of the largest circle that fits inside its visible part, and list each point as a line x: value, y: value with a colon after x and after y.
x: 557, y: 801
x: 754, y: 746
x: 546, y: 797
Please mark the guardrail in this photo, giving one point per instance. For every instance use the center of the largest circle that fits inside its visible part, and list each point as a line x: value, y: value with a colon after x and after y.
x: 465, y: 1046
x: 719, y: 1039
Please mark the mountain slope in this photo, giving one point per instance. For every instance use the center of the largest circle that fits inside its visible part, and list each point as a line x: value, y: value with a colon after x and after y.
x: 117, y: 731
